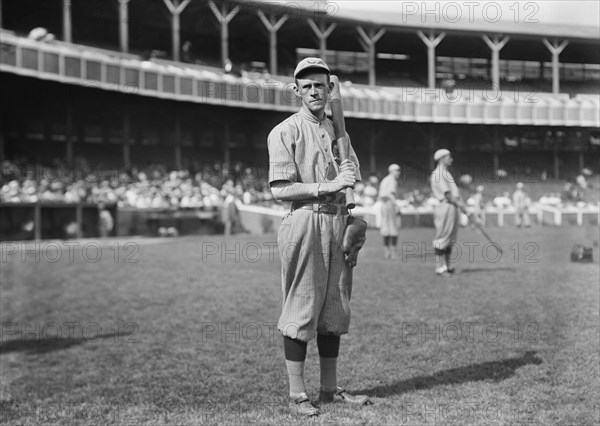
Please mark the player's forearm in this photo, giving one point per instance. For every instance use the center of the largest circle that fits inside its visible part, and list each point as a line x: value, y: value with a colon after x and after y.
x: 296, y: 191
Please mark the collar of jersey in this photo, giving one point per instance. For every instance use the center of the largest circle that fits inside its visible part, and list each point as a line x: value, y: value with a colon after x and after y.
x: 305, y: 113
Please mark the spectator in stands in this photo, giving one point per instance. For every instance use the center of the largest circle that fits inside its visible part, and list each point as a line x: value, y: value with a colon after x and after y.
x: 370, y: 191
x: 40, y: 34
x: 572, y: 193
x: 502, y: 201
x: 521, y: 202
x: 106, y: 222
x: 581, y: 181
x: 229, y: 213
x: 186, y: 52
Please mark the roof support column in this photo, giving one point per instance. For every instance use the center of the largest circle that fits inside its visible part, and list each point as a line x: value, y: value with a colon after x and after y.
x: 224, y: 17
x: 556, y: 50
x: 322, y: 33
x: 495, y: 46
x: 431, y: 42
x: 556, y: 156
x: 496, y: 150
x: 226, y: 150
x: 177, y: 141
x: 176, y: 9
x: 272, y: 26
x: 2, y: 121
x: 374, y: 138
x: 368, y: 42
x: 69, y: 130
x: 124, y: 25
x: 126, y: 132
x: 431, y: 145
x: 67, y: 32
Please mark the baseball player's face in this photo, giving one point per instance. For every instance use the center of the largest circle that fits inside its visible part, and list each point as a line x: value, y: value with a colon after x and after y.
x: 447, y: 160
x: 314, y: 89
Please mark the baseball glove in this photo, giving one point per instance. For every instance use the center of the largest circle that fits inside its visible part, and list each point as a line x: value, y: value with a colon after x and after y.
x: 355, y: 236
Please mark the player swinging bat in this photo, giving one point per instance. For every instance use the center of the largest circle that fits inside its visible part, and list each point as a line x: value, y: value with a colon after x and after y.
x: 355, y: 232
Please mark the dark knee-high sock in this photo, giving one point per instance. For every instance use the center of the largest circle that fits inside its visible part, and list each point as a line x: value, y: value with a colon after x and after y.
x: 447, y: 255
x: 440, y: 260
x: 295, y: 354
x: 329, y: 348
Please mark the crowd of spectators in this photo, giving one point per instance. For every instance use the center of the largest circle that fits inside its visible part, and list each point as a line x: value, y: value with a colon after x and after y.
x: 207, y: 189
x: 151, y: 187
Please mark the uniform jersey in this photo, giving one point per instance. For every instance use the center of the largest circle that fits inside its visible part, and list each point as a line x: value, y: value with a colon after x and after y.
x: 300, y: 150
x: 442, y: 182
x: 316, y: 281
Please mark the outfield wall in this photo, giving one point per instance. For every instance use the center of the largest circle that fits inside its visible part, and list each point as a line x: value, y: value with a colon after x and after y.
x: 42, y: 221
x: 262, y: 220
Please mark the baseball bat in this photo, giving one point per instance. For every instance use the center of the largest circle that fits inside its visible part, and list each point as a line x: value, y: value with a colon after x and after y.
x: 487, y: 237
x: 339, y: 128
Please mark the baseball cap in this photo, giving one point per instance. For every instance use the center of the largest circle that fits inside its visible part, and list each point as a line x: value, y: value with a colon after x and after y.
x: 440, y: 153
x: 393, y: 167
x: 308, y: 63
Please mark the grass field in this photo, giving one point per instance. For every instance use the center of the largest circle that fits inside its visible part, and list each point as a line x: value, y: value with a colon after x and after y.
x: 182, y: 331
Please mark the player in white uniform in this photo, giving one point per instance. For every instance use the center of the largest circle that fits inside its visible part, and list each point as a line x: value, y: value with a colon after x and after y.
x: 446, y: 215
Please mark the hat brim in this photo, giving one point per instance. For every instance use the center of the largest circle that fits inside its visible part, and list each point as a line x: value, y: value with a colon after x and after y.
x: 299, y: 73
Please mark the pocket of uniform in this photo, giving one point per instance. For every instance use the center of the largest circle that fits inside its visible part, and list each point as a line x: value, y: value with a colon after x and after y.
x: 287, y: 215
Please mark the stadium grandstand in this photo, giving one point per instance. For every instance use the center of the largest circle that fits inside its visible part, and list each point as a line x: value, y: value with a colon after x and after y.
x: 195, y: 86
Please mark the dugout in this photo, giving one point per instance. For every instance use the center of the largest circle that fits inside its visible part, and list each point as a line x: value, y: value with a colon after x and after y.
x: 43, y: 221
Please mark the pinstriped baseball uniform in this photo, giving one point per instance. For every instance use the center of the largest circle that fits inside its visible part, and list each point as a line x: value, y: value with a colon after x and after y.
x: 316, y: 281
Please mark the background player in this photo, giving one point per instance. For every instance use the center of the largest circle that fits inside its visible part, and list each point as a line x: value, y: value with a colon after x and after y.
x: 446, y: 215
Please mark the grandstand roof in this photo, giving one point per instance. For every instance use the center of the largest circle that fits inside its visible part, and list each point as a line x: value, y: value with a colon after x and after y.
x: 396, y: 20
x: 319, y: 7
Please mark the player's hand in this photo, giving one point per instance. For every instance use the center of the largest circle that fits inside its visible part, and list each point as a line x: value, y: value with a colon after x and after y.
x: 345, y: 179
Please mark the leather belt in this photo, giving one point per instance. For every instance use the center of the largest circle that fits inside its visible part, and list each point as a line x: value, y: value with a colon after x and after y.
x: 337, y: 209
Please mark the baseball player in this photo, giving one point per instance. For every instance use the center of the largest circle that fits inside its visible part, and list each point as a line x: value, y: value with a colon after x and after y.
x: 388, y: 191
x: 521, y: 202
x: 446, y: 215
x: 316, y: 280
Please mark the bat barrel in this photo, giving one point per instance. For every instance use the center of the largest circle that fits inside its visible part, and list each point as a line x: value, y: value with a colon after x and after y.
x: 339, y: 127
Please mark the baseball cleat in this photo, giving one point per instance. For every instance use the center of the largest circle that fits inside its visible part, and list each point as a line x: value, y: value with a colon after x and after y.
x: 303, y: 407
x: 340, y: 395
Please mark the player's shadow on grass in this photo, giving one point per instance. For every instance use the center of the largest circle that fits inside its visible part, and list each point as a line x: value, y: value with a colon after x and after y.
x: 35, y: 345
x: 492, y: 370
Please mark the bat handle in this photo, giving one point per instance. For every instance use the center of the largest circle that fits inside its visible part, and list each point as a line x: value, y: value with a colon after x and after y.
x: 350, y: 203
x: 343, y: 145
